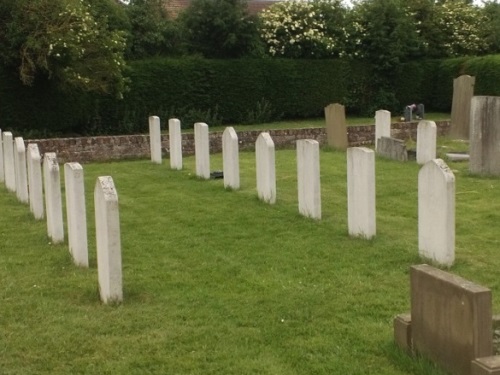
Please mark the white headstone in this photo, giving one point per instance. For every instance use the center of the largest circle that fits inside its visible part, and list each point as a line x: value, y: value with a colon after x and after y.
x: 53, y: 200
x: 265, y: 168
x: 175, y: 139
x: 155, y: 139
x: 8, y: 159
x: 436, y: 212
x: 308, y: 178
x: 35, y: 181
x: 361, y: 192
x: 109, y: 253
x: 2, y: 173
x: 202, y: 150
x: 230, y: 158
x: 21, y: 173
x: 76, y: 213
x: 426, y: 141
x: 382, y: 125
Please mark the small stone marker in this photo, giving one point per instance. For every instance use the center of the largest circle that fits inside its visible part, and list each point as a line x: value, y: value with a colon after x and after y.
x: 485, y: 135
x: 382, y: 125
x: 230, y: 158
x: 53, y: 202
x: 175, y: 140
x: 2, y: 172
x: 436, y: 212
x: 155, y: 139
x: 21, y: 173
x: 451, y: 318
x: 109, y: 253
x: 76, y: 214
x: 35, y: 181
x: 336, y: 129
x: 486, y: 366
x: 202, y: 150
x: 308, y: 178
x: 463, y: 90
x: 361, y: 192
x: 265, y: 168
x: 426, y: 141
x: 8, y: 159
x: 392, y: 148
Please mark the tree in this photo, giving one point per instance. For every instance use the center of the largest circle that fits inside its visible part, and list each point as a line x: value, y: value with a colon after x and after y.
x: 491, y: 27
x: 63, y: 40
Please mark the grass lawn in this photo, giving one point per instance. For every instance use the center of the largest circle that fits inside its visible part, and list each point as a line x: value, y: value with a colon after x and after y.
x: 217, y: 282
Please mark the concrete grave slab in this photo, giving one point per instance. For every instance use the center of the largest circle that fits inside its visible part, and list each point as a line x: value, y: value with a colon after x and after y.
x: 392, y: 148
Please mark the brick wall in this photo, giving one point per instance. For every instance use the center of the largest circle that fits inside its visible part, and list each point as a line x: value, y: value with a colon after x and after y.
x: 88, y: 149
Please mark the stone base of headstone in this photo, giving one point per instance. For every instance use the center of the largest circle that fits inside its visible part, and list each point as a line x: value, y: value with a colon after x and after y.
x: 486, y: 366
x: 457, y: 157
x: 392, y: 148
x: 402, y: 331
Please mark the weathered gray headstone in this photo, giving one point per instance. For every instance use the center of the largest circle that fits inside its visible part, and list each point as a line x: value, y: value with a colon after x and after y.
x: 230, y: 158
x: 361, y: 192
x: 21, y: 173
x: 463, y: 91
x: 308, y: 178
x: 336, y: 129
x: 2, y: 172
x: 76, y: 213
x: 175, y: 140
x: 485, y: 135
x: 35, y: 181
x: 155, y: 139
x: 265, y: 168
x: 8, y: 159
x: 109, y: 252
x: 382, y: 125
x: 436, y: 212
x: 426, y: 141
x: 53, y: 200
x: 392, y: 148
x: 202, y: 150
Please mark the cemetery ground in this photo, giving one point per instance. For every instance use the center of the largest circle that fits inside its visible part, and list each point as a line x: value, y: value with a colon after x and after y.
x: 217, y: 282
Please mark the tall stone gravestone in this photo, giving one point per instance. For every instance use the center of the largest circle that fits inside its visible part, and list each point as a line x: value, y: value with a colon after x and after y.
x: 308, y: 178
x: 436, y: 212
x: 53, y: 200
x: 336, y: 129
x: 109, y: 253
x: 35, y: 181
x: 2, y: 172
x: 265, y: 168
x: 230, y: 158
x: 8, y: 159
x: 485, y: 135
x: 21, y: 173
x: 426, y: 141
x: 76, y: 213
x: 463, y: 90
x: 361, y: 192
x: 155, y: 139
x: 202, y: 150
x: 175, y: 143
x: 382, y: 125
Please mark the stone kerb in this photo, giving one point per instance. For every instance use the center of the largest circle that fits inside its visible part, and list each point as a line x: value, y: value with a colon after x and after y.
x: 485, y: 135
x: 202, y: 150
x: 109, y: 257
x: 308, y: 178
x: 436, y: 212
x: 426, y: 141
x: 265, y: 168
x: 155, y: 139
x: 336, y: 128
x: 35, y: 181
x: 21, y: 173
x: 361, y: 192
x: 230, y: 158
x: 382, y: 125
x: 53, y: 200
x: 463, y: 90
x: 2, y: 172
x: 451, y: 319
x: 175, y: 143
x: 8, y: 158
x: 76, y: 213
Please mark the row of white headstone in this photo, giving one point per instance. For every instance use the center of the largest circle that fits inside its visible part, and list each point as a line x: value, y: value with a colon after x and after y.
x: 22, y: 171
x: 436, y: 183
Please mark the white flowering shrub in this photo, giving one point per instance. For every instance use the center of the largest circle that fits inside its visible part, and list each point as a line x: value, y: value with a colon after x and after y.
x: 304, y: 29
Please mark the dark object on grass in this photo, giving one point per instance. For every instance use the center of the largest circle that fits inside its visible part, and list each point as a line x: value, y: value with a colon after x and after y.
x: 216, y: 175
